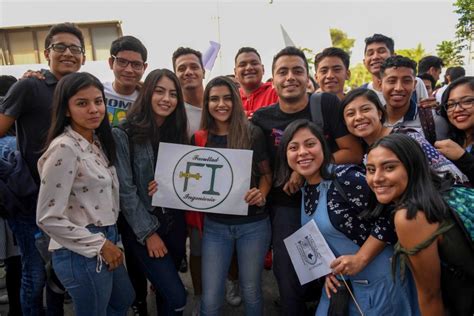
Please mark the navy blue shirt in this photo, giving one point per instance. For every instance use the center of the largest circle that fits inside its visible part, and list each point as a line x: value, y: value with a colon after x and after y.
x: 29, y: 101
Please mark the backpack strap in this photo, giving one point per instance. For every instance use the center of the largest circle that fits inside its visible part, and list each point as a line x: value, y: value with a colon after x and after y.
x: 401, y: 254
x: 339, y: 189
x: 427, y: 124
x: 337, y: 184
x: 200, y: 138
x: 316, y: 110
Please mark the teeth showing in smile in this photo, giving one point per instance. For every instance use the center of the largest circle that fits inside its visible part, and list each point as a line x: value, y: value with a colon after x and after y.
x: 461, y: 118
x: 304, y: 162
x: 381, y: 189
x: 362, y: 126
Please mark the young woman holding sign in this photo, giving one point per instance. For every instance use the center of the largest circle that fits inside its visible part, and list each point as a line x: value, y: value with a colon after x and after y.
x: 224, y: 125
x: 334, y: 197
x: 154, y: 235
x: 431, y: 242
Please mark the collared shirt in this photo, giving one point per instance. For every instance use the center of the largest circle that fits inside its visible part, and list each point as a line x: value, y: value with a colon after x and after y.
x: 29, y: 101
x: 77, y: 189
x: 263, y: 96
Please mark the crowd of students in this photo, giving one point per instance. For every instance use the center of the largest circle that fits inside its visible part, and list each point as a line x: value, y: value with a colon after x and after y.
x: 369, y: 167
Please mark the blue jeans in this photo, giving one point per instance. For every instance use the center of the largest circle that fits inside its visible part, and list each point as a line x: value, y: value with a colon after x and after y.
x: 162, y: 272
x: 33, y: 274
x: 94, y: 293
x: 251, y: 241
x: 7, y: 145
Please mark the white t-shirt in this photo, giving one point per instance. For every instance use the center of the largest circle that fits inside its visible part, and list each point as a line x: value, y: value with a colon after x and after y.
x: 194, y: 117
x: 117, y: 104
x: 439, y: 93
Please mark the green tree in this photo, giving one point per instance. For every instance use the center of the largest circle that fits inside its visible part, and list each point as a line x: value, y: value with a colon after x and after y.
x: 340, y: 39
x: 416, y: 53
x: 359, y: 76
x: 450, y: 53
x: 465, y: 25
x: 309, y: 53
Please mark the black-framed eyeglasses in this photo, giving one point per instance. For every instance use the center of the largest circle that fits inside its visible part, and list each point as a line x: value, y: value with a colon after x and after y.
x: 122, y: 62
x: 61, y: 48
x: 463, y: 104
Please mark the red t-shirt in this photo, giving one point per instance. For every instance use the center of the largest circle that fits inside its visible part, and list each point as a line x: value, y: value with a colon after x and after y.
x: 265, y: 95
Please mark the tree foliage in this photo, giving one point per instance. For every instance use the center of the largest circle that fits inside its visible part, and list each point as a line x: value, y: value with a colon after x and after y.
x: 451, y: 53
x: 465, y: 25
x: 340, y: 39
x: 309, y: 53
x: 359, y: 76
x: 416, y: 53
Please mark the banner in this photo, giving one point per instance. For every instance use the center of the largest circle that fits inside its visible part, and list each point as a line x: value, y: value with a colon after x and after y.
x: 203, y: 179
x: 309, y: 253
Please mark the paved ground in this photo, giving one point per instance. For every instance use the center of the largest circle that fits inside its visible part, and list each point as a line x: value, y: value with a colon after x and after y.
x: 270, y: 292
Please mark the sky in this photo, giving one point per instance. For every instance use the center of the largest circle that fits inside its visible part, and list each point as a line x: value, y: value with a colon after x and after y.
x: 165, y: 25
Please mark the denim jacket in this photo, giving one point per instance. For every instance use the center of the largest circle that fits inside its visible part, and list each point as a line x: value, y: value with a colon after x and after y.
x: 135, y: 203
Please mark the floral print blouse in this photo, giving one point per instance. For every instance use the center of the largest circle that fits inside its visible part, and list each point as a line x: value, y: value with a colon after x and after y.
x: 77, y: 189
x: 344, y: 214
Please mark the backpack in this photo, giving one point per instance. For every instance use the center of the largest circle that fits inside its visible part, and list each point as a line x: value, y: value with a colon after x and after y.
x: 19, y: 189
x: 316, y: 110
x: 461, y: 201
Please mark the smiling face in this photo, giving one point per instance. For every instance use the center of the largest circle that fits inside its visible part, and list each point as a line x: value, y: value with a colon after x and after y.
x: 305, y: 155
x: 189, y: 71
x: 374, y: 56
x: 164, y: 99
x: 66, y: 62
x: 86, y: 110
x: 386, y: 175
x: 127, y: 77
x: 290, y: 78
x: 331, y: 75
x: 462, y: 119
x: 220, y: 105
x: 249, y: 70
x: 398, y: 83
x: 362, y: 117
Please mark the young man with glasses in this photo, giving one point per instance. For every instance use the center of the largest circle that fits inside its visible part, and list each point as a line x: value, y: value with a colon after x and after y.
x: 28, y: 104
x: 128, y: 62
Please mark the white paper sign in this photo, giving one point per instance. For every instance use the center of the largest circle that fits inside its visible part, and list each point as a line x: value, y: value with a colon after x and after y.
x: 309, y: 253
x: 203, y: 179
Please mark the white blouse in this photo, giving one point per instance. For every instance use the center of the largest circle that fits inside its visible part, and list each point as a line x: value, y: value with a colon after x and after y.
x: 77, y: 189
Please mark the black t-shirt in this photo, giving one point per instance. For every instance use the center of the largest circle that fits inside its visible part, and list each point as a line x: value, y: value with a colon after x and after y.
x: 255, y: 213
x: 29, y: 101
x: 273, y: 121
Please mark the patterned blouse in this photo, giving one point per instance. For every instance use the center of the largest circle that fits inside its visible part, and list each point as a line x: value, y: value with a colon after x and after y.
x: 344, y: 214
x: 77, y: 189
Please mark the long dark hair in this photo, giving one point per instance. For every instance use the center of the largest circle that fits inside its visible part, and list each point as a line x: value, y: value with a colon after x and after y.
x: 141, y: 124
x: 66, y: 88
x: 459, y: 136
x: 239, y: 136
x: 424, y: 185
x: 282, y: 169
